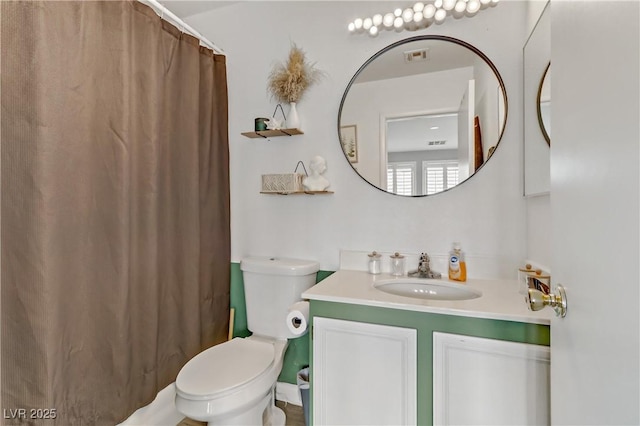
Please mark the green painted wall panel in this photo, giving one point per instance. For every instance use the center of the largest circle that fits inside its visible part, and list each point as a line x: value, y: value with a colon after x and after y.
x: 426, y: 324
x: 297, y: 355
x: 237, y: 302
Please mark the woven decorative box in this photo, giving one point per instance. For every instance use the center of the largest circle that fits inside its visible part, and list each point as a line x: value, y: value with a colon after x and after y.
x: 282, y: 183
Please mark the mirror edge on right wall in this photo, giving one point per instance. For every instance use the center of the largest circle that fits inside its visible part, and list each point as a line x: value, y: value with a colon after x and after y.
x: 536, y: 57
x: 543, y: 104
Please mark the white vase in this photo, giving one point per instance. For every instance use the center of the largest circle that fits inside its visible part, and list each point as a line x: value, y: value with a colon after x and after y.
x: 293, y: 121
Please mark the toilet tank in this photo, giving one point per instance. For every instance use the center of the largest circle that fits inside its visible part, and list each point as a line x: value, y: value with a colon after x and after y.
x: 271, y: 286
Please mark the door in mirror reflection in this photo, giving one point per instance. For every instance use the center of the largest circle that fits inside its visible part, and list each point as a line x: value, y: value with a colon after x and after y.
x: 424, y: 126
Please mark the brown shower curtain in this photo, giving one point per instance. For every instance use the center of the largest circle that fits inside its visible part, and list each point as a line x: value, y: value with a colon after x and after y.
x: 115, y: 208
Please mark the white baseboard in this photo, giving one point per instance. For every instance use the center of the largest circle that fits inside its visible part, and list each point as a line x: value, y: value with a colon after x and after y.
x: 289, y: 393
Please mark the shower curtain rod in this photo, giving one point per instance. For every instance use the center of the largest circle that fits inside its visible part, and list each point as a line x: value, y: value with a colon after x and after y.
x: 166, y: 13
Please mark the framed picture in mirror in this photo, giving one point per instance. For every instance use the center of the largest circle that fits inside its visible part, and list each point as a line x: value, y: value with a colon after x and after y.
x: 349, y: 141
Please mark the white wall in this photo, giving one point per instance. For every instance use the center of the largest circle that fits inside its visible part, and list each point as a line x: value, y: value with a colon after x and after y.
x: 534, y: 10
x: 486, y: 214
x: 539, y: 231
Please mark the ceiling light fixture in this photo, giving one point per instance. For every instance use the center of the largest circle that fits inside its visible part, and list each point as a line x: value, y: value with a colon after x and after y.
x: 421, y: 15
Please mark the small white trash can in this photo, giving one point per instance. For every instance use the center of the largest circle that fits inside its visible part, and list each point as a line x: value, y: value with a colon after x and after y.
x: 303, y: 385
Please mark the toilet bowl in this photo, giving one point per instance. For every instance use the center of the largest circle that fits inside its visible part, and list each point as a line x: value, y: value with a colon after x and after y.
x: 233, y: 383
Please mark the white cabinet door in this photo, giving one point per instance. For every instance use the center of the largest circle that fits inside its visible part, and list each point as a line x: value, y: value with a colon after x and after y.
x: 363, y: 374
x: 489, y: 382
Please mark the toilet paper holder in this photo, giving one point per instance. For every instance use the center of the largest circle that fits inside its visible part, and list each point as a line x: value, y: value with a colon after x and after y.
x: 297, y: 319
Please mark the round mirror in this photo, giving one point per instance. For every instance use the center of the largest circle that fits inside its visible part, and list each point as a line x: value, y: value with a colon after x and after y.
x: 544, y: 104
x: 422, y: 115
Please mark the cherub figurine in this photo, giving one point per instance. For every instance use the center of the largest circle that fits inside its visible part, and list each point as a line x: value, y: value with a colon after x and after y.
x: 315, y: 181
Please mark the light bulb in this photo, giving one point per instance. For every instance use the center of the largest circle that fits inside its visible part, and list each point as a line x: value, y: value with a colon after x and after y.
x: 461, y: 6
x: 473, y: 6
x: 377, y: 19
x: 387, y: 20
x: 437, y: 4
x: 419, y: 7
x: 429, y: 11
x: 398, y: 22
x: 367, y: 23
x: 358, y: 23
x: 373, y: 31
x: 440, y: 15
x: 352, y: 27
x: 397, y: 12
x: 418, y: 17
x: 494, y: 2
x: 407, y: 15
x: 485, y: 2
x: 448, y: 4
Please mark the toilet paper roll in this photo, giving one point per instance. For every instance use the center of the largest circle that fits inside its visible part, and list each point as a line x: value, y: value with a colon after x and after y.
x: 298, y: 319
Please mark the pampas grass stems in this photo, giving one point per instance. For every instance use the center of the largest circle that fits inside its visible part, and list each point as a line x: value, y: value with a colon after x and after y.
x: 288, y: 82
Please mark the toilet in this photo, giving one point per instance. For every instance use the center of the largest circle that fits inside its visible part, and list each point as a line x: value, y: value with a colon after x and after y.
x: 233, y: 383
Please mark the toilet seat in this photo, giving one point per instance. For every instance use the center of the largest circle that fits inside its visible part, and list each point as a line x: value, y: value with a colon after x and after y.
x: 224, y: 368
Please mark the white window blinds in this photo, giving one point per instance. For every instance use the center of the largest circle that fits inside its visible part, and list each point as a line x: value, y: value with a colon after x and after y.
x: 401, y: 178
x: 439, y: 175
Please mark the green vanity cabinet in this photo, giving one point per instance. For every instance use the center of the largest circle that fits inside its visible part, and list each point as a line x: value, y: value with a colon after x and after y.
x: 425, y: 325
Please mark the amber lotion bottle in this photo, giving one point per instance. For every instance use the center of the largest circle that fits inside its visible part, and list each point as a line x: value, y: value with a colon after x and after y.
x: 457, y: 264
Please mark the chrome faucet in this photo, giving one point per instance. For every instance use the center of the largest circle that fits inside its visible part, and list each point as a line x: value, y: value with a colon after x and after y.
x: 424, y: 269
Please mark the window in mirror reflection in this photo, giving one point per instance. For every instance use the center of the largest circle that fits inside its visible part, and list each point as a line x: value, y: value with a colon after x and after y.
x: 439, y: 175
x: 428, y: 145
x: 401, y: 178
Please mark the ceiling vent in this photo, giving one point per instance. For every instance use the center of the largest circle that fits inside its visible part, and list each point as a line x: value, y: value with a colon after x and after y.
x: 435, y: 143
x: 416, y: 55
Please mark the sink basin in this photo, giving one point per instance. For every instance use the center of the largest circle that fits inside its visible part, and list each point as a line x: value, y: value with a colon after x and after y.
x: 424, y: 288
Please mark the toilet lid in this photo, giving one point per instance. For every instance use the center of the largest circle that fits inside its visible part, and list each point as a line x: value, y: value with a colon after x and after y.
x: 224, y: 367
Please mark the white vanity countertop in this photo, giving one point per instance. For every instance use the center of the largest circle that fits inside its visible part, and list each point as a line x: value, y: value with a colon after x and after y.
x: 500, y: 298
